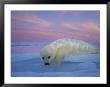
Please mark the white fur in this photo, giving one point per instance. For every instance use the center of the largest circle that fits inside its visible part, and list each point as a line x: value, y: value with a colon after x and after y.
x: 63, y: 47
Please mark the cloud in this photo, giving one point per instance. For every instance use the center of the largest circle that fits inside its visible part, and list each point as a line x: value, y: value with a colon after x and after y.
x: 91, y: 26
x: 34, y: 35
x: 87, y: 27
x: 88, y: 31
x: 41, y: 35
x: 70, y: 26
x: 32, y: 19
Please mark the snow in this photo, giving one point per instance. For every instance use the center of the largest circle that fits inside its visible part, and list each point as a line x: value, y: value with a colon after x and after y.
x: 31, y: 65
x: 26, y: 62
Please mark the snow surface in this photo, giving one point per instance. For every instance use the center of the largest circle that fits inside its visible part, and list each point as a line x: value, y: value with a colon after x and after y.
x: 26, y: 62
x: 31, y: 65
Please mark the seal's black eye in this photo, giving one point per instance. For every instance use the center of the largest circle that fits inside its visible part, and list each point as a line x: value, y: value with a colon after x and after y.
x: 48, y: 57
x: 42, y: 57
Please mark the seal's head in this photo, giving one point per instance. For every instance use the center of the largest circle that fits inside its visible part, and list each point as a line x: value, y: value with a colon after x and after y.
x: 47, y: 55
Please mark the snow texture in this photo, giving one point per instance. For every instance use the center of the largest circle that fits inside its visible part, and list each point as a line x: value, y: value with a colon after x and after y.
x: 31, y: 65
x: 28, y: 63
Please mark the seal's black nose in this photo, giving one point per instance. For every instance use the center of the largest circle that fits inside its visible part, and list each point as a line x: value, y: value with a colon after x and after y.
x: 47, y: 64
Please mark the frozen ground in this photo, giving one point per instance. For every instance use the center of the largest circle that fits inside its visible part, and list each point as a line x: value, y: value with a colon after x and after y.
x: 26, y: 62
x: 29, y: 65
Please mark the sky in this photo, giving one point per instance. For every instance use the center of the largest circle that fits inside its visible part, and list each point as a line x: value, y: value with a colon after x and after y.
x: 47, y: 26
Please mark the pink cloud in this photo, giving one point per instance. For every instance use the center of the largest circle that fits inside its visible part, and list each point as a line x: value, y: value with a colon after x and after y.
x: 32, y: 19
x: 84, y: 36
x: 32, y: 34
x: 70, y: 26
x: 89, y: 26
x: 85, y: 31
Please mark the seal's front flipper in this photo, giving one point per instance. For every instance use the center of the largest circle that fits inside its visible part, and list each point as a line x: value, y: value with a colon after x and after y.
x: 58, y: 57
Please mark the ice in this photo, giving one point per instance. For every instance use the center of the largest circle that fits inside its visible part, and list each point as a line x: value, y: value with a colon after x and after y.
x: 79, y: 73
x: 31, y: 65
x: 26, y: 62
x: 26, y: 56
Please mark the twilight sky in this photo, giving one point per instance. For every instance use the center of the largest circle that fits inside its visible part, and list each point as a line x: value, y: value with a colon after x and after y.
x: 44, y: 26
